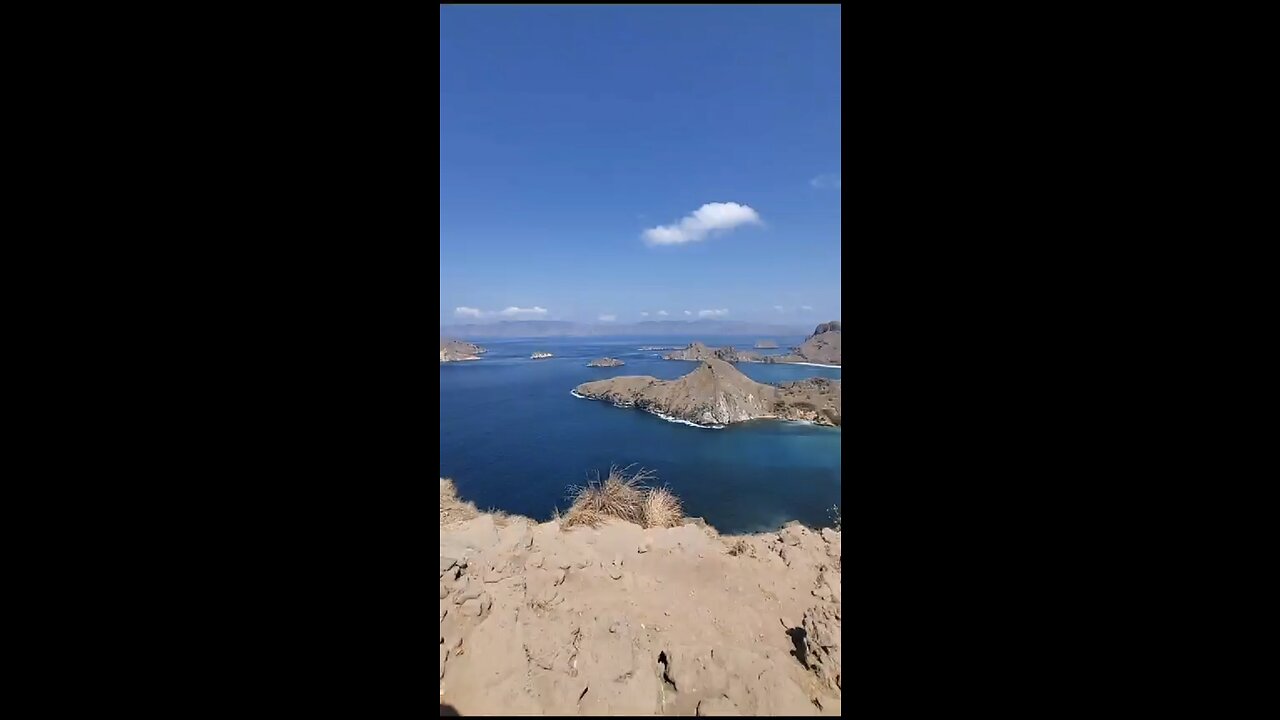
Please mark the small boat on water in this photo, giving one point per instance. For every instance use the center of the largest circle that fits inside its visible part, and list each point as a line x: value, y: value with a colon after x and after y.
x: 540, y: 355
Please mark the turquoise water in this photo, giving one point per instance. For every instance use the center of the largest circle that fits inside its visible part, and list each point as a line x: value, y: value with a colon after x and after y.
x: 513, y: 438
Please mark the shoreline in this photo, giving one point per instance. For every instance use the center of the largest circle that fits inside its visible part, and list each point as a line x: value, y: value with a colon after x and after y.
x: 668, y: 418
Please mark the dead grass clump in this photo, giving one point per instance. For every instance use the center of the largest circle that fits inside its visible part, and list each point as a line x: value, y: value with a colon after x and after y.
x: 451, y: 508
x: 662, y: 508
x: 623, y: 495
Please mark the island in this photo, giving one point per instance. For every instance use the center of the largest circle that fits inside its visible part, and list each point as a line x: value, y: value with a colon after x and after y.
x: 820, y: 348
x: 606, y: 362
x: 698, y: 352
x: 718, y: 394
x: 540, y: 355
x: 457, y: 350
x: 766, y: 344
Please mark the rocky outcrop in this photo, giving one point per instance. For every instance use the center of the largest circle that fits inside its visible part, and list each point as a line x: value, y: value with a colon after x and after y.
x: 823, y: 346
x: 698, y: 352
x: 540, y: 619
x: 455, y: 350
x: 716, y: 393
x: 606, y: 362
x: 833, y: 326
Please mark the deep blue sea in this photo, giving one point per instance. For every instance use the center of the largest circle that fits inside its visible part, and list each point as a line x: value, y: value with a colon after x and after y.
x: 513, y: 438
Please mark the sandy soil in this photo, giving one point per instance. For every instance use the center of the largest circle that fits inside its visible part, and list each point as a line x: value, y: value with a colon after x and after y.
x: 535, y: 619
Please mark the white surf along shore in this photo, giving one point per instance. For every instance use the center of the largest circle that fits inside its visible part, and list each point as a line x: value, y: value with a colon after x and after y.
x: 668, y: 418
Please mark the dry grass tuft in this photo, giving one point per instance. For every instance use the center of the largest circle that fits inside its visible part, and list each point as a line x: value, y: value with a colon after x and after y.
x: 623, y: 495
x: 451, y: 508
x: 662, y: 508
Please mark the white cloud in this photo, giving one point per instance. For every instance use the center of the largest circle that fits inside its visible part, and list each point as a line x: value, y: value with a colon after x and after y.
x: 511, y: 312
x: 713, y: 313
x: 608, y: 318
x: 778, y: 308
x: 514, y: 311
x: 805, y: 307
x: 644, y: 314
x: 686, y: 312
x: 703, y: 221
x: 826, y: 182
x: 663, y: 313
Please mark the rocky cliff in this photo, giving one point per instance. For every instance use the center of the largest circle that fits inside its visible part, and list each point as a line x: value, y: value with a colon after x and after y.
x: 823, y: 346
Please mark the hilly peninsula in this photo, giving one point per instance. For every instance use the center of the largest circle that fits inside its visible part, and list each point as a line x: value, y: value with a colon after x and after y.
x: 823, y: 346
x: 455, y: 350
x: 716, y: 393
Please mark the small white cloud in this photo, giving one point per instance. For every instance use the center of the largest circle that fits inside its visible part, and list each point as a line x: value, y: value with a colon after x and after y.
x: 778, y: 308
x: 644, y: 314
x: 519, y: 312
x: 663, y: 313
x: 805, y: 307
x: 686, y: 312
x: 467, y: 312
x: 702, y: 222
x: 826, y: 182
x: 713, y: 313
x: 608, y: 318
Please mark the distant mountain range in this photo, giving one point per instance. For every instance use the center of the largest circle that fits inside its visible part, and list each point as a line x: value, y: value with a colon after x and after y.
x: 655, y: 328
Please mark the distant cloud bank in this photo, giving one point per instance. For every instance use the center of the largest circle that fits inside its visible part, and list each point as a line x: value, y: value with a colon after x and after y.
x: 518, y: 313
x: 608, y: 318
x: 701, y: 223
x: 713, y: 313
x: 663, y: 313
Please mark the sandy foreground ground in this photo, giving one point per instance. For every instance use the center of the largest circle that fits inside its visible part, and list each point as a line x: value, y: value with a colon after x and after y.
x: 613, y: 620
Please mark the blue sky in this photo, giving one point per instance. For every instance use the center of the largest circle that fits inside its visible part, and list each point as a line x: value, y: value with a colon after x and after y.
x: 610, y: 161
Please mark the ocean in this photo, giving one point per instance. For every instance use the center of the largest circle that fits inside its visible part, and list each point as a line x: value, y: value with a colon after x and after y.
x: 513, y: 438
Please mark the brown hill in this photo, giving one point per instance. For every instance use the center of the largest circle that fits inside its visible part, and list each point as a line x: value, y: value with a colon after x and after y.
x: 455, y: 350
x: 716, y: 393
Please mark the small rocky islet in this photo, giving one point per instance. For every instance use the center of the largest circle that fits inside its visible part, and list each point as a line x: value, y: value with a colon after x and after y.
x: 457, y: 350
x: 821, y: 347
x: 717, y: 393
x: 606, y: 362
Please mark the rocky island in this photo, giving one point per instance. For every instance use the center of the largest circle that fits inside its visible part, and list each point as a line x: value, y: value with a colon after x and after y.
x: 766, y: 344
x: 717, y: 394
x: 456, y: 350
x: 822, y: 347
x: 698, y: 352
x: 606, y: 362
